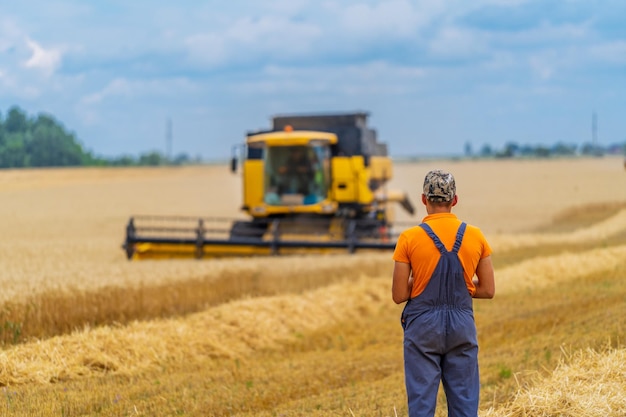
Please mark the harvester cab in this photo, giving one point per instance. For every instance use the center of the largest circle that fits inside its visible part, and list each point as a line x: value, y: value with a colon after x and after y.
x: 310, y: 183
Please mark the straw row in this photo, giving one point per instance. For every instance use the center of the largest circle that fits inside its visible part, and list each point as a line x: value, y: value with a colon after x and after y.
x: 552, y: 270
x: 232, y: 330
x: 238, y: 328
x: 597, y: 232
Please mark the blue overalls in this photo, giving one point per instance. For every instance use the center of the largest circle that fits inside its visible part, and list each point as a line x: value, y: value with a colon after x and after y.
x: 440, y: 339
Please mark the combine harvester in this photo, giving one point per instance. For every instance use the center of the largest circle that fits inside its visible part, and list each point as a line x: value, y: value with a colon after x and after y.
x: 313, y: 183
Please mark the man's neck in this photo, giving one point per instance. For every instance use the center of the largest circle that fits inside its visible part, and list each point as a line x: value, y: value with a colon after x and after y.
x: 431, y: 209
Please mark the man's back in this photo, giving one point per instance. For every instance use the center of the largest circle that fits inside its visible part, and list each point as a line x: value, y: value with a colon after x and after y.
x: 417, y: 249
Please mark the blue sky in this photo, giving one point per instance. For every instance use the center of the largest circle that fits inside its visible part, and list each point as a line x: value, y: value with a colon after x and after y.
x: 433, y: 74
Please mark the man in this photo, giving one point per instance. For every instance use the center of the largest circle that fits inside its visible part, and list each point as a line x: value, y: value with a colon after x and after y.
x: 297, y: 172
x: 434, y: 270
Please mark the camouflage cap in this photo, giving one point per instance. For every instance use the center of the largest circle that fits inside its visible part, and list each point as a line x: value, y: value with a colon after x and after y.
x: 439, y: 186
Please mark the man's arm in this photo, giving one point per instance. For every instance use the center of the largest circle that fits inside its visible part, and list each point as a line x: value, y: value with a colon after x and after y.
x: 402, y: 282
x: 485, y: 281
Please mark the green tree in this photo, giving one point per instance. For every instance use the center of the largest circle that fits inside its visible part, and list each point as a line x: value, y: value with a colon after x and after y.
x: 52, y: 146
x: 153, y: 158
x: 44, y: 142
x: 39, y: 142
x: 542, y: 151
x: 13, y: 153
x: 486, y: 150
x: 16, y: 121
x: 561, y: 148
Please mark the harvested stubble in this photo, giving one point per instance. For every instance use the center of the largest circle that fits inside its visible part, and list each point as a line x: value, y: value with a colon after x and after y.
x: 50, y: 270
x: 503, y: 196
x: 586, y: 383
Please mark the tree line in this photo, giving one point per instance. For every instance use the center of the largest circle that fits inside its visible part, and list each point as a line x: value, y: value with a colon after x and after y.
x: 559, y: 149
x: 41, y: 141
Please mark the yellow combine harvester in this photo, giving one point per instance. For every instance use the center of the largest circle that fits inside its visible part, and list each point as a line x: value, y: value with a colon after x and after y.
x: 313, y: 183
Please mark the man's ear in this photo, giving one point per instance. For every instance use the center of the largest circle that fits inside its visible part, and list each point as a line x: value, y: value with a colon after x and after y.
x: 424, y: 201
x: 455, y: 200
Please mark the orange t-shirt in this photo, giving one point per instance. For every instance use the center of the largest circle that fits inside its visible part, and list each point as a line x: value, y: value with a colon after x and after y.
x: 416, y: 248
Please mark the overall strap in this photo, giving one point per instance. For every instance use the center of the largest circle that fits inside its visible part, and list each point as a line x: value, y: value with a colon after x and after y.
x: 434, y: 237
x: 459, y: 238
x: 440, y: 246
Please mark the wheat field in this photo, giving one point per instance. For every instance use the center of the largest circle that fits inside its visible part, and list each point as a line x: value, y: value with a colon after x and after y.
x: 86, y: 332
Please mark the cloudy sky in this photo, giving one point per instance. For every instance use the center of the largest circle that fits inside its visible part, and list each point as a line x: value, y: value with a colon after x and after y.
x: 433, y: 74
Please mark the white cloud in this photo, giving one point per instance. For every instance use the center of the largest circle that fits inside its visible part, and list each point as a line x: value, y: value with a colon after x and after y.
x: 8, y: 31
x: 285, y: 7
x: 376, y: 77
x: 542, y: 35
x: 613, y: 52
x: 541, y: 67
x: 249, y: 39
x: 41, y: 59
x: 132, y: 89
x: 545, y: 51
x: 452, y: 41
x: 13, y: 86
x: 5, y: 45
x: 391, y: 18
x: 117, y: 87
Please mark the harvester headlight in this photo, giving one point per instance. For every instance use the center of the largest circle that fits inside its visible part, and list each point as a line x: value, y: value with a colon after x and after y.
x: 259, y: 209
x: 328, y: 208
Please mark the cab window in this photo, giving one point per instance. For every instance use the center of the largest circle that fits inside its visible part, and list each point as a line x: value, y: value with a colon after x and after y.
x: 296, y: 175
